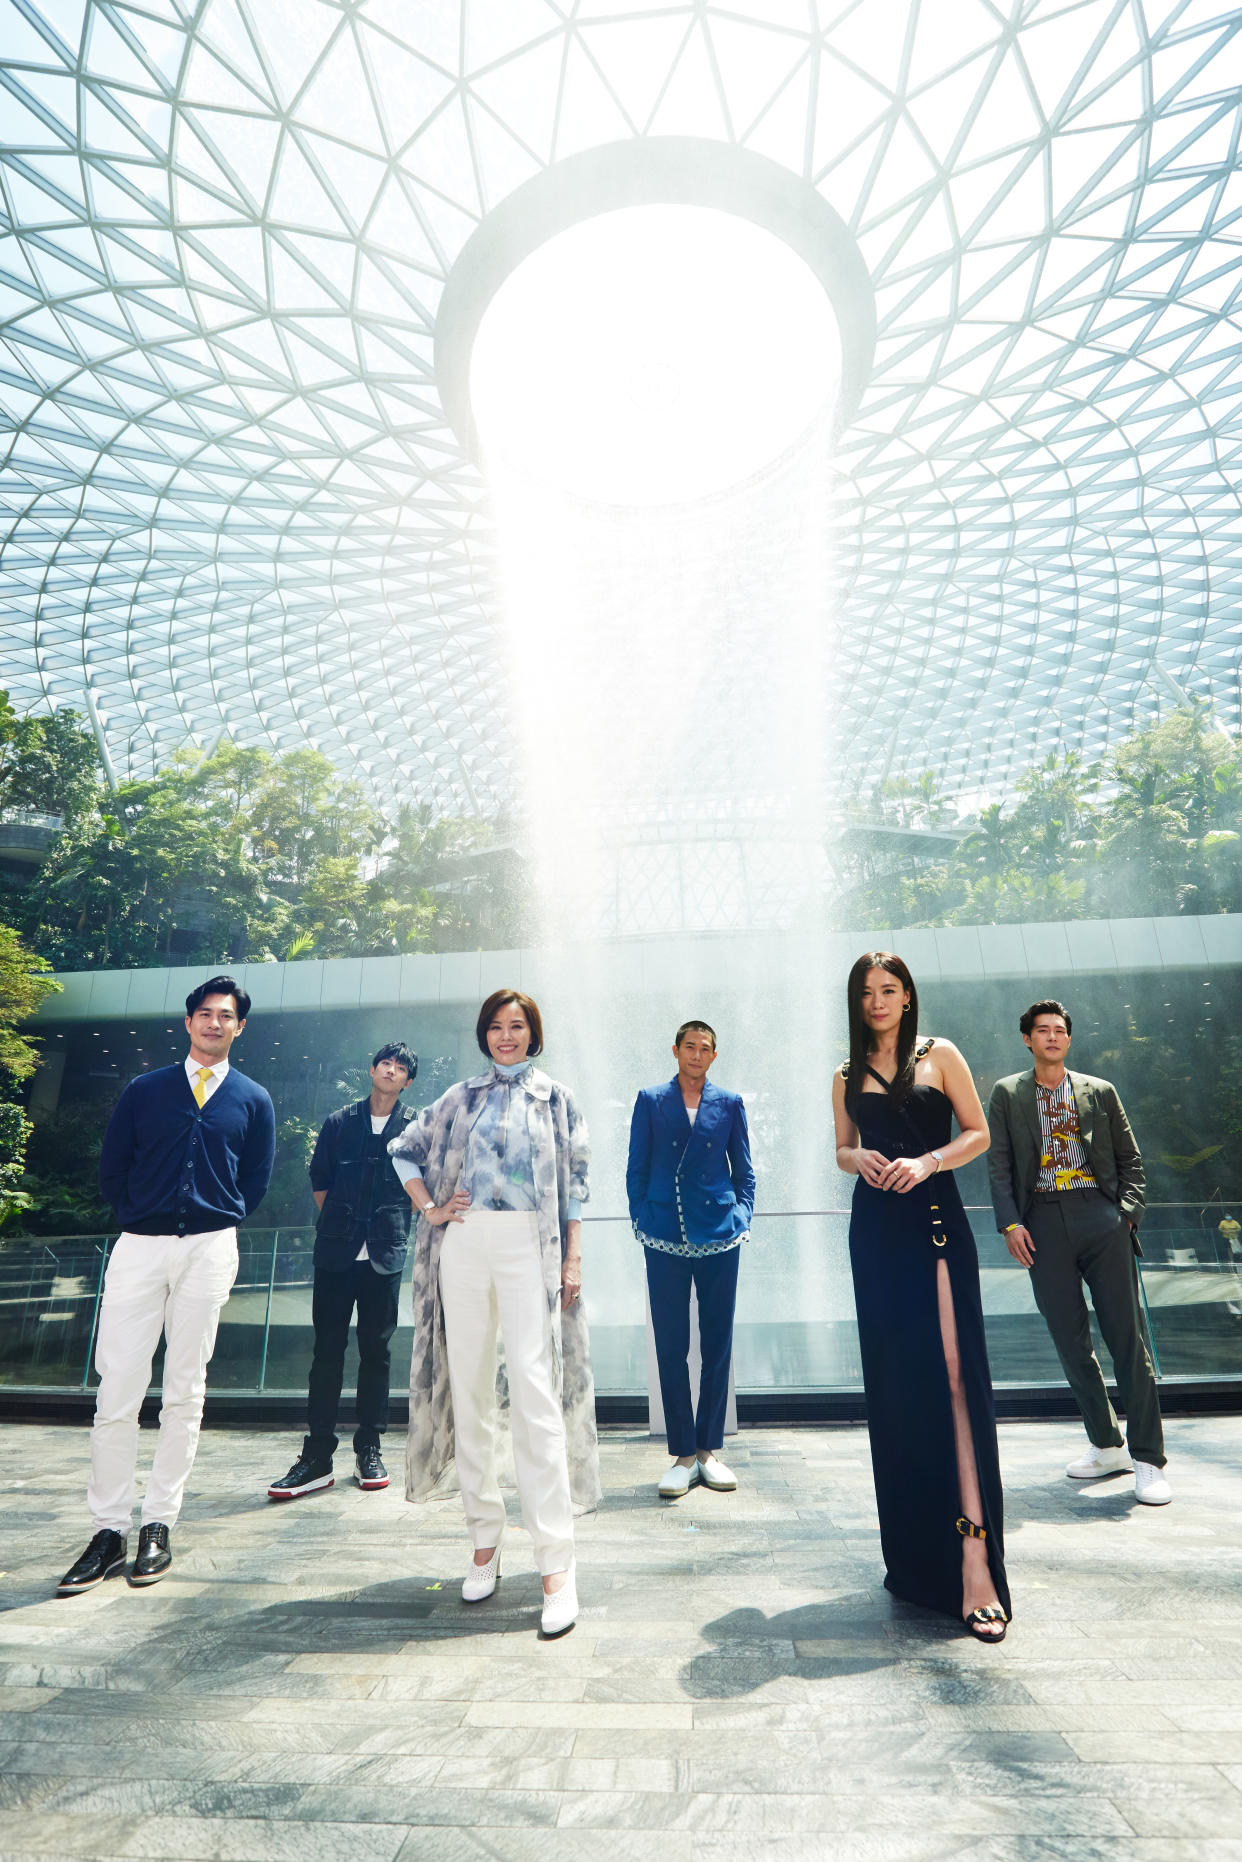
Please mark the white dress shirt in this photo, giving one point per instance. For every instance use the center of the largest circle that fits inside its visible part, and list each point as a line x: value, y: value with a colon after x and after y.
x: 194, y: 1067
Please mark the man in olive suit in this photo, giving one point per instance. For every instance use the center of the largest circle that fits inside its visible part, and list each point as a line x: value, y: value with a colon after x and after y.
x: 1068, y: 1191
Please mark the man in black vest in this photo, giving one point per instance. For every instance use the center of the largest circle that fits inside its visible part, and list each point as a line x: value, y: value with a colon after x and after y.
x: 360, y: 1244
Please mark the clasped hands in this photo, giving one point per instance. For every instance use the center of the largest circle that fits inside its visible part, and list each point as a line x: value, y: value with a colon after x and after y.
x: 897, y: 1173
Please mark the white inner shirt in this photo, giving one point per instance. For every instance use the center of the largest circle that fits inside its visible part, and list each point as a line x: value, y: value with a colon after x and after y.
x: 378, y: 1122
x: 194, y: 1067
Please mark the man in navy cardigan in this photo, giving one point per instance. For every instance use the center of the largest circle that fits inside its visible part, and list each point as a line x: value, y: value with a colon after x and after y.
x: 691, y: 1191
x: 187, y: 1154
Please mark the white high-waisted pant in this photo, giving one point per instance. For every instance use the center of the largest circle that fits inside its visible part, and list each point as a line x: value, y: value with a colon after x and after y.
x: 175, y: 1284
x: 491, y: 1276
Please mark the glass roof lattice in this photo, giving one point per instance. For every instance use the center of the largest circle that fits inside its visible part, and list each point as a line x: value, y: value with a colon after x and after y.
x: 230, y: 501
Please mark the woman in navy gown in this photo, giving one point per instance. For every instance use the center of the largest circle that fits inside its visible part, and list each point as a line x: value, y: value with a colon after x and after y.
x: 916, y: 1288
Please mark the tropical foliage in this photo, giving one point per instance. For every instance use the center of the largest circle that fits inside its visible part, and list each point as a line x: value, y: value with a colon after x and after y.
x: 1156, y: 830
x: 248, y: 857
x: 23, y: 985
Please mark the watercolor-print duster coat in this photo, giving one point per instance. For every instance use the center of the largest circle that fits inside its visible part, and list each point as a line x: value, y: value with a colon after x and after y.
x: 560, y: 1153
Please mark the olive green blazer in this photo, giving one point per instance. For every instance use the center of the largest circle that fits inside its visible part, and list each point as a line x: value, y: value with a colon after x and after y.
x: 1017, y: 1146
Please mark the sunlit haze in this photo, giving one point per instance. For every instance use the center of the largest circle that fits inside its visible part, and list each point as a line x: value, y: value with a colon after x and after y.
x: 651, y: 355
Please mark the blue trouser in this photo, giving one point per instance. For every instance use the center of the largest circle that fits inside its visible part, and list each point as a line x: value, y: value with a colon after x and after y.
x: 669, y: 1279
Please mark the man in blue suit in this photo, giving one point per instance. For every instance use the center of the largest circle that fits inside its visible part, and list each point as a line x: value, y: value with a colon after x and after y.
x: 691, y: 1192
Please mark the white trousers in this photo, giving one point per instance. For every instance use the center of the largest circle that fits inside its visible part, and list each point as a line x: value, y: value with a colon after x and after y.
x: 491, y: 1276
x: 174, y: 1284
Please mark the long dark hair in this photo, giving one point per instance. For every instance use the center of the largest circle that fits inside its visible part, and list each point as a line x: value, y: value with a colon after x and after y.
x: 860, y: 1034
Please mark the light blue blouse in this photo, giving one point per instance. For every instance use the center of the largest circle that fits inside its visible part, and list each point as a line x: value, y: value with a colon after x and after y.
x: 497, y: 1173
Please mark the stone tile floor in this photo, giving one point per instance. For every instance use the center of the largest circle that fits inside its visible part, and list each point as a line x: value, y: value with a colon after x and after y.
x: 306, y: 1684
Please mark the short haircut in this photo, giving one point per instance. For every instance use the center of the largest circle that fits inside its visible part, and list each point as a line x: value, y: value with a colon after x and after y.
x: 219, y: 986
x: 403, y: 1055
x: 529, y: 1008
x: 1049, y: 1007
x: 702, y: 1027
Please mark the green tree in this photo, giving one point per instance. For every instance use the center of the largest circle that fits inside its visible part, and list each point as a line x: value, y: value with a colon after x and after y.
x: 302, y: 812
x: 24, y: 984
x: 48, y: 764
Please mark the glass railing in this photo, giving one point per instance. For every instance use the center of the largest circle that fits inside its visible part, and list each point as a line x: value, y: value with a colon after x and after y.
x: 795, y: 1321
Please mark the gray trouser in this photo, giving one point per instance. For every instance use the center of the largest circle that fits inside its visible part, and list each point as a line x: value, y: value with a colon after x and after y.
x: 1079, y: 1235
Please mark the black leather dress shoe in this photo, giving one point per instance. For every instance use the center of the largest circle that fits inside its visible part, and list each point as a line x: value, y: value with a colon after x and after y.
x: 369, y: 1470
x: 305, y: 1476
x: 154, y: 1557
x: 103, y: 1558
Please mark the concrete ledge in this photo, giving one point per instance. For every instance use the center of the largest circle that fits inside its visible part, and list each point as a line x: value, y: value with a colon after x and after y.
x: 1036, y: 953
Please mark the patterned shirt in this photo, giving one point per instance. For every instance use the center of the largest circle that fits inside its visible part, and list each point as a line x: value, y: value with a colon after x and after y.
x: 498, y: 1172
x: 1064, y: 1164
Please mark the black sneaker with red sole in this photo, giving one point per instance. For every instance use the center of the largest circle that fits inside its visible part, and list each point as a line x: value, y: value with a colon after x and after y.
x: 305, y: 1476
x: 369, y: 1471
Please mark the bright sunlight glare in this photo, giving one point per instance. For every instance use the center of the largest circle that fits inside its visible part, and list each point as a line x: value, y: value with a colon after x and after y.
x: 653, y: 355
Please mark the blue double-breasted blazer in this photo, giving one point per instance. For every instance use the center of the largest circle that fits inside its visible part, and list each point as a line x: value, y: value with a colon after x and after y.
x: 698, y: 1175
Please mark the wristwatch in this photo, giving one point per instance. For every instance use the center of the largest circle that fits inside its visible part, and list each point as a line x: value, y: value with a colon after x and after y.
x: 939, y: 1157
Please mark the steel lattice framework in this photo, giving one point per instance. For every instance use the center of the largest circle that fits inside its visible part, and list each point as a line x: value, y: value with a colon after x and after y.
x: 230, y: 498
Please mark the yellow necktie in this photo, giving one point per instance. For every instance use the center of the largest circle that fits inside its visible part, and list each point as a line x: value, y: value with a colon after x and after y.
x: 199, y: 1089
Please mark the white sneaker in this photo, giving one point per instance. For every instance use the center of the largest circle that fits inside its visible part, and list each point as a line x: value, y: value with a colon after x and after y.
x: 1150, y: 1486
x: 1099, y: 1461
x: 678, y: 1481
x: 715, y: 1474
x: 560, y: 1610
x: 481, y: 1580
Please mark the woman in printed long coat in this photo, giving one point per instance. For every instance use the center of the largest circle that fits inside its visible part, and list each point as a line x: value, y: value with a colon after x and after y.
x: 497, y: 1172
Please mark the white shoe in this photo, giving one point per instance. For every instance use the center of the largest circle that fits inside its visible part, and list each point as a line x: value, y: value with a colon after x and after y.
x: 1150, y: 1486
x: 715, y: 1474
x: 481, y: 1580
x: 1096, y: 1462
x: 678, y: 1481
x: 560, y: 1610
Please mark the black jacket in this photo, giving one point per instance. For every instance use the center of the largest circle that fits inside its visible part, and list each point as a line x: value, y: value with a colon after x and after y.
x: 366, y: 1200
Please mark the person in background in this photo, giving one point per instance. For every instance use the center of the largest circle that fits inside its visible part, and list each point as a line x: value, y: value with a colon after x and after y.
x: 1068, y: 1192
x: 497, y: 1171
x: 691, y: 1191
x: 1230, y: 1231
x: 187, y: 1154
x: 360, y: 1246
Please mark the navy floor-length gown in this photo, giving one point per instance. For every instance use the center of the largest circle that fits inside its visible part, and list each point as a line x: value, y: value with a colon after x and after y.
x: 909, y: 1412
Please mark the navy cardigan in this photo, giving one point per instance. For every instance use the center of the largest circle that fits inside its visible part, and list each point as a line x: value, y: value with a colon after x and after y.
x: 171, y: 1167
x: 708, y: 1163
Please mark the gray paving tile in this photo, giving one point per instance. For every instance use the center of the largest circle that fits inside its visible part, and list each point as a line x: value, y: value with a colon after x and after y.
x: 739, y: 1683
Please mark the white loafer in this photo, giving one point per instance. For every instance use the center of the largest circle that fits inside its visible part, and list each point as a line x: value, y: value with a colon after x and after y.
x: 560, y: 1610
x: 1095, y: 1462
x: 481, y: 1580
x: 678, y: 1481
x: 1150, y: 1486
x: 715, y: 1474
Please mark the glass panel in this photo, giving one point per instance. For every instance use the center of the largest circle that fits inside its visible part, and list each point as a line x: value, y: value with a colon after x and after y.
x: 47, y: 1309
x: 795, y: 1323
x: 237, y: 1361
x: 1192, y: 1276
